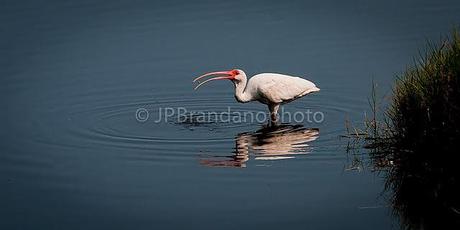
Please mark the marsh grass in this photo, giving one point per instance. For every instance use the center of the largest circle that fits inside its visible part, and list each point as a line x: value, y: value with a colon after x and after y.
x: 425, y: 106
x: 418, y: 138
x: 424, y: 137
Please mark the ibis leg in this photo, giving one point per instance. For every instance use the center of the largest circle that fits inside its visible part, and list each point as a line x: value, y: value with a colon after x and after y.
x: 273, y: 113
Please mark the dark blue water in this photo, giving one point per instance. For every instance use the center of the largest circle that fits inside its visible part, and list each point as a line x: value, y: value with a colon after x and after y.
x: 74, y: 73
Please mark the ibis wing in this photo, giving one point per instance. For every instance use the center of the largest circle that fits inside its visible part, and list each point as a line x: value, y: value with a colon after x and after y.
x: 278, y: 88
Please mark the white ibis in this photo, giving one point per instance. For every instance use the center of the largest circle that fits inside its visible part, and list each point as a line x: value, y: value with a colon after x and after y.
x: 272, y: 89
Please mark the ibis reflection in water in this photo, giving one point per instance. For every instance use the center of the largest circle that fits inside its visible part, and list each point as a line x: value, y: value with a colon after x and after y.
x: 268, y: 143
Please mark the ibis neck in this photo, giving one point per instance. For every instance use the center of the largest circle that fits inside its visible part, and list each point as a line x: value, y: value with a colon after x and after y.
x: 241, y: 94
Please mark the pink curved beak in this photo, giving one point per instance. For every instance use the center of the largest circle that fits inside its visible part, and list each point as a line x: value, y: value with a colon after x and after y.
x: 227, y: 75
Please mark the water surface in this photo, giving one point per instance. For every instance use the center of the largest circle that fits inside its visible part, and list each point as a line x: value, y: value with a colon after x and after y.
x: 74, y: 73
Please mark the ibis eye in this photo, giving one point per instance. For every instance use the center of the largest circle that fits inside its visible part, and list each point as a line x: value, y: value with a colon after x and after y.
x: 235, y: 72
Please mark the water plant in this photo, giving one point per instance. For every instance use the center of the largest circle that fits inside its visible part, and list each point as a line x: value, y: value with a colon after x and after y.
x: 419, y: 135
x: 424, y: 137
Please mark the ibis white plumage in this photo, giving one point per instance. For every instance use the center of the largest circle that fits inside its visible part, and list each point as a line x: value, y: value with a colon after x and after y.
x: 272, y: 89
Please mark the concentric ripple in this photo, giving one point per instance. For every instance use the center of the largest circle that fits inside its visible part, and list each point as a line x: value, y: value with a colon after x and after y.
x: 175, y: 124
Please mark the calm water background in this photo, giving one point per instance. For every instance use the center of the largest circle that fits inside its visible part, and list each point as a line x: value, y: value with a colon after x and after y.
x: 73, y: 74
